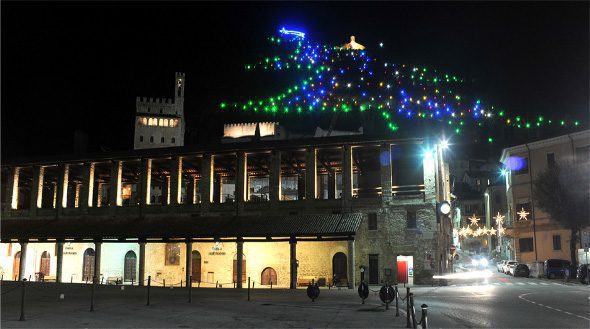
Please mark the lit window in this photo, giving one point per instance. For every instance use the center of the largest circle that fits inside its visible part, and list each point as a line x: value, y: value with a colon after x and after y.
x: 160, y: 122
x: 165, y: 122
x: 144, y: 121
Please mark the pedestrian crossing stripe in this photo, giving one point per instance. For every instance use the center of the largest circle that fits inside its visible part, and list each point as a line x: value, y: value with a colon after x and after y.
x: 545, y: 284
x: 521, y: 283
x: 533, y: 283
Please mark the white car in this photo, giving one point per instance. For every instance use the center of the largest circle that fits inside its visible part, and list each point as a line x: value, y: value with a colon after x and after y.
x: 500, y: 265
x: 506, y: 267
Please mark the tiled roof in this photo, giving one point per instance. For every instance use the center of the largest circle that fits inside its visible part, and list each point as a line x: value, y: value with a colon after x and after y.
x: 194, y: 227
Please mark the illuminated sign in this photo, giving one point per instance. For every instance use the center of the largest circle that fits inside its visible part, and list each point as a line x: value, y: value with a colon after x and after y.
x: 292, y: 32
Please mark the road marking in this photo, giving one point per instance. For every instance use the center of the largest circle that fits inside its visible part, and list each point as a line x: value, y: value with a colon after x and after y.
x: 533, y: 283
x: 545, y: 284
x: 509, y: 283
x: 520, y: 283
x: 549, y: 307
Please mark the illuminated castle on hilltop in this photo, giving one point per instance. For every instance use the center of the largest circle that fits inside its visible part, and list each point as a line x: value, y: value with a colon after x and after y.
x: 159, y: 122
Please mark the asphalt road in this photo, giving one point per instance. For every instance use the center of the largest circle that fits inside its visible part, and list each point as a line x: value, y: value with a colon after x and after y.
x: 501, y: 302
x: 504, y: 301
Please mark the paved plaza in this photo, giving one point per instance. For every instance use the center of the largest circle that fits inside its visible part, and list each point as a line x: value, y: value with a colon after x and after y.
x: 210, y: 308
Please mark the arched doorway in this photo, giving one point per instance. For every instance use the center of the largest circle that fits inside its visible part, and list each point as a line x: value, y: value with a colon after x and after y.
x: 235, y: 276
x: 268, y: 277
x: 130, y: 267
x: 339, y: 268
x: 196, y: 266
x: 88, y: 265
x: 16, y: 266
x: 44, y: 267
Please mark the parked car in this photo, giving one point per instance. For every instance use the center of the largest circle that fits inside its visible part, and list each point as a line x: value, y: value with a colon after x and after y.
x: 582, y: 273
x: 508, y: 262
x: 521, y: 270
x: 555, y: 268
x: 510, y: 268
x: 500, y: 265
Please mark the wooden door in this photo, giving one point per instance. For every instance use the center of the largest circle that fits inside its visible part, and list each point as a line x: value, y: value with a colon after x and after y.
x: 196, y: 266
x: 130, y: 267
x: 339, y: 268
x: 373, y: 269
x: 16, y: 266
x: 236, y: 270
x: 268, y: 277
x: 88, y: 265
x: 44, y: 267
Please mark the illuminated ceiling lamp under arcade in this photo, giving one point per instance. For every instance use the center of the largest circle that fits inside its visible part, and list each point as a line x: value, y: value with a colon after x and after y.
x: 352, y: 78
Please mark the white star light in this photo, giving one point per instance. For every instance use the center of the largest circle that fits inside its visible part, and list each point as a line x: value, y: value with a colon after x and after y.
x: 474, y: 220
x: 522, y: 214
x: 499, y: 218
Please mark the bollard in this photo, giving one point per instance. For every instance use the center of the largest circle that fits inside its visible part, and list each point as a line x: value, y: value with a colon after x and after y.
x: 424, y: 320
x: 189, y: 285
x: 408, y: 324
x: 71, y: 279
x: 148, y: 289
x: 102, y: 278
x: 16, y: 278
x: 92, y: 294
x: 234, y: 284
x: 396, y: 301
x: 164, y: 282
x: 199, y: 285
x: 413, y: 311
x: 2, y: 278
x: 180, y: 283
x: 22, y: 302
x: 248, y: 288
x: 216, y: 283
x: 29, y: 278
x: 252, y: 284
x: 270, y: 284
x: 132, y: 281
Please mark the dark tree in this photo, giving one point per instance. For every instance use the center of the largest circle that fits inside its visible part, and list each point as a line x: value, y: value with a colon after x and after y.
x: 563, y: 192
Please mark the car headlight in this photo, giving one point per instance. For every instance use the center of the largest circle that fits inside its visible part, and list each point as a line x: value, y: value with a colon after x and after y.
x: 483, y: 262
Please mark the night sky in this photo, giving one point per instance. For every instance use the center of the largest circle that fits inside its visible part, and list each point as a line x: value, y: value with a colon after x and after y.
x: 79, y: 66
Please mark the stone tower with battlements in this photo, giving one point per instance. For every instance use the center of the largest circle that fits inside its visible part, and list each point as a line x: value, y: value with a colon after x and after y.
x: 159, y: 122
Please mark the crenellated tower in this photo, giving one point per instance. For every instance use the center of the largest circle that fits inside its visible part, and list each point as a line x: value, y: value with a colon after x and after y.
x: 159, y: 122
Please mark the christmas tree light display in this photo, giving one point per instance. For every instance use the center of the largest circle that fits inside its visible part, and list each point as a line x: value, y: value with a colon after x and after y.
x: 349, y: 78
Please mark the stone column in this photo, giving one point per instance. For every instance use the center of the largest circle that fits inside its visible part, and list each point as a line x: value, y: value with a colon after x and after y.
x: 145, y: 182
x: 351, y: 266
x: 97, y: 256
x: 87, y: 193
x: 60, y: 258
x: 206, y: 174
x: 240, y: 261
x: 115, y: 188
x: 189, y: 261
x: 141, y: 263
x: 23, y: 260
x: 62, y: 187
x: 242, y: 178
x: 36, y: 190
x: 385, y: 160
x: 293, y: 263
x: 13, y: 187
x: 175, y: 180
x: 347, y: 174
x: 275, y: 176
x: 331, y: 184
x: 311, y: 174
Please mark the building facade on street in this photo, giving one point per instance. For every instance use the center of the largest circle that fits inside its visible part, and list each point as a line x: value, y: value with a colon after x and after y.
x: 282, y: 212
x: 535, y: 236
x: 159, y: 122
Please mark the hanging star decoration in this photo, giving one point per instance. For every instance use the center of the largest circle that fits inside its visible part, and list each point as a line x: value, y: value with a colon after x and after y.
x: 499, y: 219
x: 492, y: 231
x: 473, y: 220
x: 501, y: 231
x: 522, y: 214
